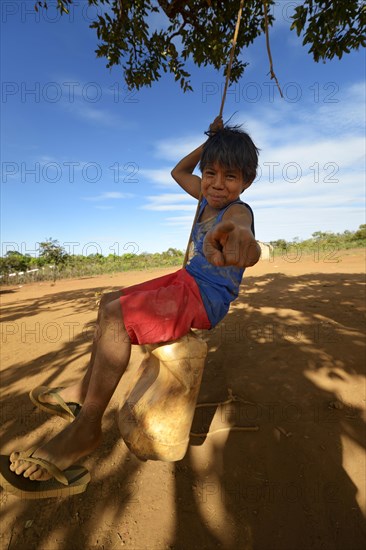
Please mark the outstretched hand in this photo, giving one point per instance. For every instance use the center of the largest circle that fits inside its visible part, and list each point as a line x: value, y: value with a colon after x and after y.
x: 230, y: 244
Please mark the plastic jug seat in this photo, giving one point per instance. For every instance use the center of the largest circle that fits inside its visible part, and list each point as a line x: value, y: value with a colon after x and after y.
x: 156, y: 419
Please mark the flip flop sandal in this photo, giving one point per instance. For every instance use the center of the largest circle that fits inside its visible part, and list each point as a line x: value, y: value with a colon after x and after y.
x: 68, y: 411
x: 72, y: 481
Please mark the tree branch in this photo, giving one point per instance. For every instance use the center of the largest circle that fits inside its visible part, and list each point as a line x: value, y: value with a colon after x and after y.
x: 271, y: 71
x: 176, y: 33
x: 177, y: 7
x: 171, y: 10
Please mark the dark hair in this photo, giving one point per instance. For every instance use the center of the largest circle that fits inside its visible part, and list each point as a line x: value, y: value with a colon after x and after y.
x: 232, y: 148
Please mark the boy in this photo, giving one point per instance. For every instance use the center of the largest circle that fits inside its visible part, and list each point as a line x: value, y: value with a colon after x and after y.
x: 163, y: 309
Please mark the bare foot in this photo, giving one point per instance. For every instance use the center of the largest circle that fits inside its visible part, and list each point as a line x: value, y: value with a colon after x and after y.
x: 75, y: 441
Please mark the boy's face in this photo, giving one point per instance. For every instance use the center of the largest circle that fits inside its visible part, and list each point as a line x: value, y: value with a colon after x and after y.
x: 221, y: 185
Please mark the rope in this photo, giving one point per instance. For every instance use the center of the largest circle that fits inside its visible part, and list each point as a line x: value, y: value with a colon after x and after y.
x: 186, y: 256
x: 271, y: 70
x: 231, y: 56
x: 228, y: 72
x: 231, y: 429
x: 232, y: 398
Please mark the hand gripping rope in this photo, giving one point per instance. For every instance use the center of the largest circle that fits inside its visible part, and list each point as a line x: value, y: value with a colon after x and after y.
x: 231, y: 397
x: 228, y: 72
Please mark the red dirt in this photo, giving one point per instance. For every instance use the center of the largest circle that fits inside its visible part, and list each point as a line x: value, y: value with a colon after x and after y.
x: 291, y: 347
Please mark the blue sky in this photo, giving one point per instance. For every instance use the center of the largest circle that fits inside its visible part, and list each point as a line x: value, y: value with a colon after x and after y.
x: 88, y: 163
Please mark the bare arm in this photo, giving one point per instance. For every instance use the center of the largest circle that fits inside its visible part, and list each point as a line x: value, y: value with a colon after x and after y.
x: 183, y: 172
x: 231, y: 242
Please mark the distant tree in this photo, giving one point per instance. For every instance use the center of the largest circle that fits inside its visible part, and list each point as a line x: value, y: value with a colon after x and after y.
x: 96, y: 257
x: 360, y: 234
x: 4, y: 269
x: 173, y: 252
x: 128, y: 256
x: 319, y: 235
x: 54, y: 254
x: 15, y: 261
x: 280, y: 243
x: 202, y: 30
x: 348, y: 235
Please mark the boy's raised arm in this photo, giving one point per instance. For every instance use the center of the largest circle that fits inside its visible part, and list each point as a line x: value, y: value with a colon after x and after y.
x: 183, y: 173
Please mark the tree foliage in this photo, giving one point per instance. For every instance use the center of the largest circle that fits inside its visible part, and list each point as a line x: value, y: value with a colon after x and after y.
x: 345, y: 240
x: 147, y: 38
x: 15, y: 261
x: 360, y: 234
x: 78, y: 265
x: 53, y: 253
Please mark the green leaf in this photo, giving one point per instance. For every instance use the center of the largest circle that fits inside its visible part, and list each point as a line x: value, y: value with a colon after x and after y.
x: 201, y: 31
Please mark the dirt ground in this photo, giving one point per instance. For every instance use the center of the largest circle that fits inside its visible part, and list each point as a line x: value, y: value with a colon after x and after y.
x: 291, y: 347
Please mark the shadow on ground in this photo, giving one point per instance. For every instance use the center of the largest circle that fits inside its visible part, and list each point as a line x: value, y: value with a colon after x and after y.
x: 291, y: 349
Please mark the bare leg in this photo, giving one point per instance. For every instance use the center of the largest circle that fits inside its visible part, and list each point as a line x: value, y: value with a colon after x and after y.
x: 77, y: 392
x: 82, y: 436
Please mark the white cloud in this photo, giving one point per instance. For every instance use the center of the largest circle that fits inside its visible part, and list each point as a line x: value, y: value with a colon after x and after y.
x: 176, y: 148
x: 96, y: 115
x: 311, y: 167
x: 326, y: 160
x: 335, y: 114
x: 179, y: 220
x: 286, y: 223
x: 109, y: 195
x: 168, y: 197
x: 160, y: 176
x: 170, y: 207
x: 93, y: 113
x: 170, y: 202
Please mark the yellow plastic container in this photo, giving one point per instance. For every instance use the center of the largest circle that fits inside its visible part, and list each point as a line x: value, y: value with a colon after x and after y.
x: 156, y: 419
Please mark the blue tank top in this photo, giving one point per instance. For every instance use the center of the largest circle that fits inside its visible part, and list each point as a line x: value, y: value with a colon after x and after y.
x: 218, y: 286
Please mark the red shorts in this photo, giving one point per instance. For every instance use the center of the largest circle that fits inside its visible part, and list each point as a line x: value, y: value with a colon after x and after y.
x: 163, y: 309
